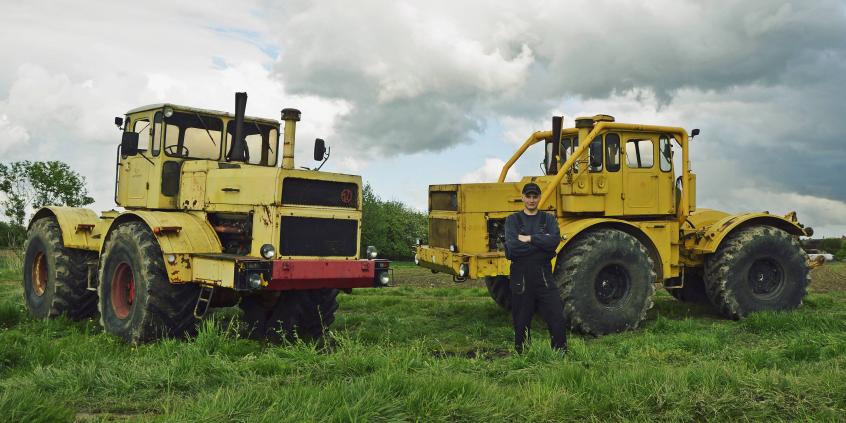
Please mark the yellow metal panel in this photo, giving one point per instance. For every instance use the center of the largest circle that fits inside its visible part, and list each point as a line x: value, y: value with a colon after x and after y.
x: 194, y: 235
x: 213, y: 271
x: 707, y: 238
x: 81, y: 228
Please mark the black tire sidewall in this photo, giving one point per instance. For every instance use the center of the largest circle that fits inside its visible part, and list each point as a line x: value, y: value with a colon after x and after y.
x: 617, y: 248
x: 123, y: 251
x: 39, y: 306
x: 780, y: 250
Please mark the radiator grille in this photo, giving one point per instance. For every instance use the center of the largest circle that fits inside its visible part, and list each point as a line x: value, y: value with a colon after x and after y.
x: 308, y: 236
x: 443, y: 200
x: 312, y: 192
x: 442, y: 232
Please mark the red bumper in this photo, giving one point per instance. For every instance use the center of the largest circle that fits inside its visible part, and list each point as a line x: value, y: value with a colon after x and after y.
x: 310, y: 274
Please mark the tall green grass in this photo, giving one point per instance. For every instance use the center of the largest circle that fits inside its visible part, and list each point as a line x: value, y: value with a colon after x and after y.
x: 444, y: 354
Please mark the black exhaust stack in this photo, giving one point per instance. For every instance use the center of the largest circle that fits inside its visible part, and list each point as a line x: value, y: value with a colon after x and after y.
x: 556, y: 144
x: 237, y: 150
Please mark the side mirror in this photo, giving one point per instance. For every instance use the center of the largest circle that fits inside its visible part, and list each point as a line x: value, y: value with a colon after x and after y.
x: 118, y: 121
x: 129, y: 144
x: 319, y: 149
x: 694, y: 133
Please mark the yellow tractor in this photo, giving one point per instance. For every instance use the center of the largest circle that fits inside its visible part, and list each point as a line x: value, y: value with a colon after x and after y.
x: 210, y: 220
x: 625, y: 200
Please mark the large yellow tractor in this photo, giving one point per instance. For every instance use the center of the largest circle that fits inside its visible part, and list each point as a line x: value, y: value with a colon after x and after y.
x: 625, y: 200
x: 210, y: 219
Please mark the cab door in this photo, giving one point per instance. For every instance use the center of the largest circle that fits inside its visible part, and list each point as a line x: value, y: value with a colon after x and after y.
x: 136, y: 171
x: 640, y: 175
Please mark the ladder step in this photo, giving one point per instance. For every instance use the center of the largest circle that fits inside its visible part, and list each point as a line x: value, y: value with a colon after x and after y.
x: 203, y: 301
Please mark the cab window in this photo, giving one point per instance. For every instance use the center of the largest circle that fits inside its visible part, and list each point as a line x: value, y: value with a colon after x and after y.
x: 639, y: 153
x: 142, y: 128
x: 595, y: 156
x: 191, y: 135
x: 157, y: 134
x: 612, y: 152
x: 665, y: 154
x: 262, y: 142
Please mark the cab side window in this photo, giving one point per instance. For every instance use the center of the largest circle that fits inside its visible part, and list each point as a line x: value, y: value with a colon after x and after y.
x: 142, y: 128
x: 157, y: 134
x: 612, y: 152
x: 595, y: 156
x: 665, y: 152
x: 639, y: 154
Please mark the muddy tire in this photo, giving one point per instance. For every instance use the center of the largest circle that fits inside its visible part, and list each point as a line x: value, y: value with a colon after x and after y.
x: 499, y: 290
x: 605, y: 279
x: 693, y: 291
x: 137, y: 301
x: 290, y: 315
x: 754, y: 269
x: 55, y: 278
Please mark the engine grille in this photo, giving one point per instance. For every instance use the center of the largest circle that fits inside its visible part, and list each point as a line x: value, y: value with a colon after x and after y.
x: 442, y: 232
x: 313, y: 192
x: 308, y: 236
x: 443, y: 200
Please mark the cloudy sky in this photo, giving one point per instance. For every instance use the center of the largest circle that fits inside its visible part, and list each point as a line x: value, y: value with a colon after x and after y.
x: 409, y: 94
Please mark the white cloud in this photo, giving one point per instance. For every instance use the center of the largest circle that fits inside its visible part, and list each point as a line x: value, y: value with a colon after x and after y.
x: 489, y: 172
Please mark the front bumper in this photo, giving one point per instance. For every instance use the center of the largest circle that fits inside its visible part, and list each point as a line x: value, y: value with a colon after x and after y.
x: 476, y: 265
x: 284, y: 275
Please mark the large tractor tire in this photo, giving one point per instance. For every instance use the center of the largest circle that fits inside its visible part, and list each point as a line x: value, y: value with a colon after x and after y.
x: 290, y: 315
x: 54, y: 277
x: 757, y: 268
x: 137, y: 301
x: 693, y: 290
x: 605, y: 279
x: 499, y: 290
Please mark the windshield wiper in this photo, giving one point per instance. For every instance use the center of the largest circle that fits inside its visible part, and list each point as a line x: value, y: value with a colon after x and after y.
x: 202, y: 122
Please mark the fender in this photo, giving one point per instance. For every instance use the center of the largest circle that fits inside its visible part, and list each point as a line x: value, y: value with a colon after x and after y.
x: 708, y: 238
x: 655, y: 236
x: 180, y: 235
x: 81, y: 228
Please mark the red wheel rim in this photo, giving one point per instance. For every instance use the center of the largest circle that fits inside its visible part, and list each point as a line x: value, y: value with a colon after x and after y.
x: 123, y: 290
x: 39, y: 274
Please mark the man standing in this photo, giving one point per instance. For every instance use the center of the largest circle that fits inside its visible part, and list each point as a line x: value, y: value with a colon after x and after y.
x: 531, y: 237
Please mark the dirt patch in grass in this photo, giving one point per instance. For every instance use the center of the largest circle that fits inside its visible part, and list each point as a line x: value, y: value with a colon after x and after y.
x: 407, y: 274
x: 829, y: 277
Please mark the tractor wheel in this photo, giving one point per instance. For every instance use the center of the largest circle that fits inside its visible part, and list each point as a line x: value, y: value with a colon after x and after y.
x: 54, y: 277
x: 754, y: 269
x: 137, y: 301
x: 290, y: 315
x: 605, y: 279
x: 693, y: 290
x: 499, y: 290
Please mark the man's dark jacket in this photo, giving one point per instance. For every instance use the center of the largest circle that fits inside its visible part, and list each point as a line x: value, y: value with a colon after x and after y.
x: 530, y: 261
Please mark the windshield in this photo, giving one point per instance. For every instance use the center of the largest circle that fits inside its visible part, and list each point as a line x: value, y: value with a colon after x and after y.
x: 192, y: 135
x: 262, y: 142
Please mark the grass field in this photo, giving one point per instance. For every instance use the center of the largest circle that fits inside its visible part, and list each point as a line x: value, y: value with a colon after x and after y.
x: 430, y: 350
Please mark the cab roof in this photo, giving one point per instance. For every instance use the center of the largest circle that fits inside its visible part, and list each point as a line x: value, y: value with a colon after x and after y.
x: 179, y: 108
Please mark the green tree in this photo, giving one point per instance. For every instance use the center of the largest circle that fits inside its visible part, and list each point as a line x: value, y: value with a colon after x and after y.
x: 841, y: 254
x: 390, y: 226
x: 830, y: 245
x: 29, y: 185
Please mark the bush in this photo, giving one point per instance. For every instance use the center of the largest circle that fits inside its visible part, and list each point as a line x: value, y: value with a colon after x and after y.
x: 390, y: 226
x: 11, y: 235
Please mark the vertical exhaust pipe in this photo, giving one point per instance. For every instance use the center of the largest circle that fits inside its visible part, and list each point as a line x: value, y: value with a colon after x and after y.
x: 291, y: 117
x: 556, y: 144
x: 237, y: 150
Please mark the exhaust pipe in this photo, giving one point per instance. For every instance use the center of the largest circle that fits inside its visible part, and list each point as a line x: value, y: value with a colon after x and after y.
x: 291, y: 117
x: 237, y: 150
x: 556, y: 143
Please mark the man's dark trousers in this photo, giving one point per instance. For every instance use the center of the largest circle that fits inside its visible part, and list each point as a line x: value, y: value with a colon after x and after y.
x: 539, y: 295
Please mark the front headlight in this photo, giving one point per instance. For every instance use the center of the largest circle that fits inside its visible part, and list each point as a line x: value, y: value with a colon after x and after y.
x: 267, y: 251
x: 452, y: 248
x: 371, y: 252
x: 416, y: 259
x: 463, y: 270
x: 254, y: 280
x: 384, y: 278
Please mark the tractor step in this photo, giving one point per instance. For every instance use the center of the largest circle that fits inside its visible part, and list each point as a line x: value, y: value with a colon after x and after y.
x: 203, y: 301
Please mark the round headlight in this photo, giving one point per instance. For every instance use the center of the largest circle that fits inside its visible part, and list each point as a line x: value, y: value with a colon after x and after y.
x: 452, y: 248
x: 463, y: 270
x: 267, y: 251
x: 416, y: 259
x: 371, y: 252
x: 171, y: 258
x: 384, y: 278
x: 254, y: 280
x: 168, y: 112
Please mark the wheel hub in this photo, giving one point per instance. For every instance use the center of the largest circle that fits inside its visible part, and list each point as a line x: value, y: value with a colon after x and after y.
x: 39, y: 274
x: 612, y: 285
x: 765, y: 278
x: 123, y: 290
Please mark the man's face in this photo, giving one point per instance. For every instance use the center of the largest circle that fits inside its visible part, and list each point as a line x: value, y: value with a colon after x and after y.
x: 530, y: 201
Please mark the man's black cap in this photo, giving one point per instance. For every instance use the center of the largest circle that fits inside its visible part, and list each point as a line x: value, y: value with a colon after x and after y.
x: 531, y: 188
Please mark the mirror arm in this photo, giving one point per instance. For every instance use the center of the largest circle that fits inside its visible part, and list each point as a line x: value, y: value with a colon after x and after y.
x: 326, y: 158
